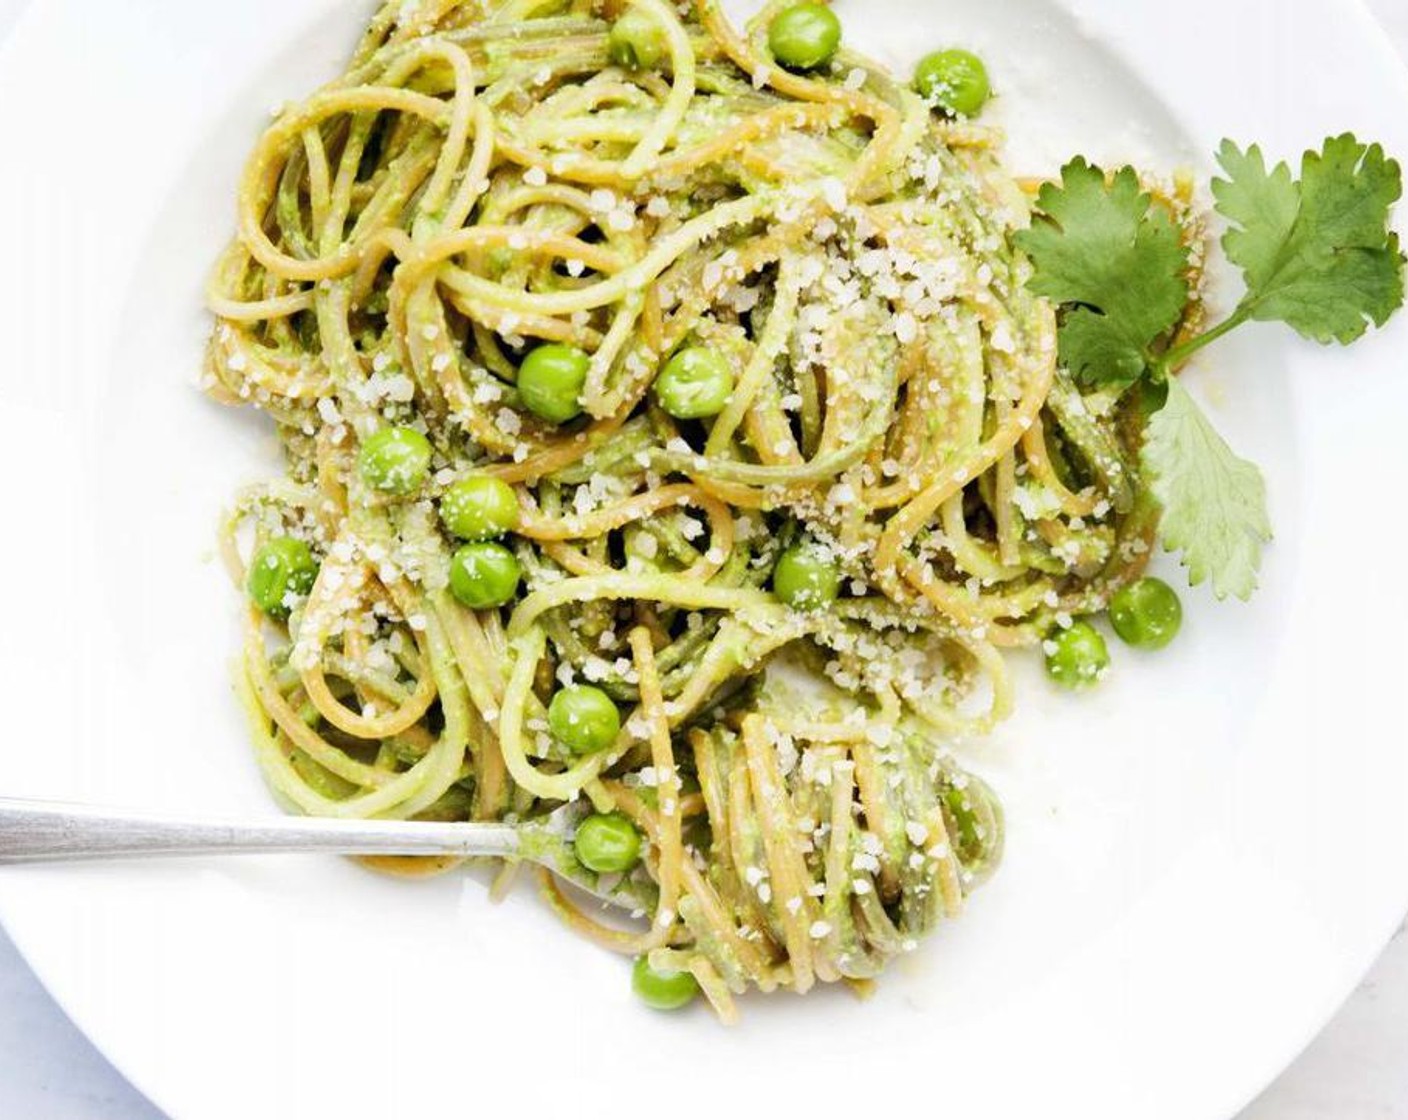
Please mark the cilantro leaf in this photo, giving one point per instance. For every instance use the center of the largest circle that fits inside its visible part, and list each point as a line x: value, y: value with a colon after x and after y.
x: 1214, y: 502
x: 1316, y: 254
x: 1105, y: 250
x: 1262, y: 206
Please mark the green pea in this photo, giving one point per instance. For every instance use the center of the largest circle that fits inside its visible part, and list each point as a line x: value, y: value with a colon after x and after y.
x: 483, y: 575
x: 583, y: 718
x: 660, y: 989
x: 805, y: 577
x: 1146, y: 614
x: 282, y: 567
x: 804, y: 36
x: 550, y: 381
x: 607, y: 842
x: 956, y: 80
x: 695, y: 382
x: 395, y: 460
x: 635, y: 42
x: 479, y: 508
x: 1076, y: 656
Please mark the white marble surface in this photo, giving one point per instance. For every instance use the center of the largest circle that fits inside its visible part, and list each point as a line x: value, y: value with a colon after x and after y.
x: 1357, y: 1069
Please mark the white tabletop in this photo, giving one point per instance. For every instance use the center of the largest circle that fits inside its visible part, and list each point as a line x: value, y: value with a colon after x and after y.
x: 1355, y: 1069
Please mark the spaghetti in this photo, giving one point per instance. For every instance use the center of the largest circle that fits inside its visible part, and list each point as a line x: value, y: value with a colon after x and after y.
x: 484, y: 180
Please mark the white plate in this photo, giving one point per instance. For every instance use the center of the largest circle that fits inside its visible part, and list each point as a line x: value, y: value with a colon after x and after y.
x: 1202, y: 858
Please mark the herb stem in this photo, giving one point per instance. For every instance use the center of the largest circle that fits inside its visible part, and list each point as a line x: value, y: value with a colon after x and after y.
x: 1171, y: 359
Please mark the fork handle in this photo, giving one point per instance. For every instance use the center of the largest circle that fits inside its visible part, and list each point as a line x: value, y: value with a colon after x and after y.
x: 44, y: 830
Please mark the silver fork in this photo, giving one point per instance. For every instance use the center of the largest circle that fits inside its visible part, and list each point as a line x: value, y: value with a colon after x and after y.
x: 47, y: 831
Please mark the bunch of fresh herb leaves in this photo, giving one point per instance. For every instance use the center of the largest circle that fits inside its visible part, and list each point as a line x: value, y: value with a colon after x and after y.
x: 1316, y: 253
